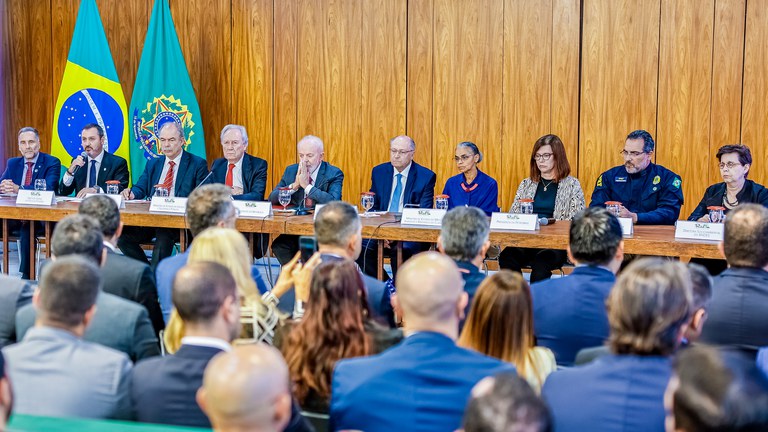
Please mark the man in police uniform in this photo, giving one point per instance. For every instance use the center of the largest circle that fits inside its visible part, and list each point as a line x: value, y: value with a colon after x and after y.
x: 650, y: 194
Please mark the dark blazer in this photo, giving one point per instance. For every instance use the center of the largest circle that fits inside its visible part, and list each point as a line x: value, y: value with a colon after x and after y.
x: 327, y: 186
x: 14, y: 294
x: 419, y: 187
x: 423, y: 383
x: 615, y: 393
x: 473, y: 277
x: 118, y: 324
x: 736, y: 315
x: 112, y: 168
x: 47, y: 167
x: 254, y: 177
x: 191, y: 172
x: 751, y: 193
x: 132, y: 280
x: 569, y: 313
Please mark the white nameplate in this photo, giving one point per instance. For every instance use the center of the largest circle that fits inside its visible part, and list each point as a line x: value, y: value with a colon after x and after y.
x: 317, y: 209
x: 627, y: 227
x: 168, y: 205
x: 514, y: 221
x: 35, y: 197
x: 426, y: 217
x: 254, y: 209
x: 693, y: 230
x: 118, y: 199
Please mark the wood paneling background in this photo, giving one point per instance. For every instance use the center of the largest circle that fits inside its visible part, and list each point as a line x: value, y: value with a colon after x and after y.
x: 498, y: 72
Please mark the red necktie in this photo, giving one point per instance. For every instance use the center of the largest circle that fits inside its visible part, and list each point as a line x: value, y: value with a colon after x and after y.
x: 28, y: 177
x: 168, y: 182
x: 228, y: 181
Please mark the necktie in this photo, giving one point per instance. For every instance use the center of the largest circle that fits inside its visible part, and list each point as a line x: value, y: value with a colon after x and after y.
x: 168, y: 182
x: 229, y: 180
x: 92, y: 174
x: 28, y: 177
x: 394, y: 205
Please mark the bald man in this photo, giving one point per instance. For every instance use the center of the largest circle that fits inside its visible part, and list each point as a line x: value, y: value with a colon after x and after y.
x: 247, y: 389
x: 377, y: 393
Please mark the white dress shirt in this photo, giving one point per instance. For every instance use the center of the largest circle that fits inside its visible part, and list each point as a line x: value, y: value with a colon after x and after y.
x: 404, y: 172
x: 166, y: 166
x: 237, y: 173
x: 210, y: 342
x: 67, y: 179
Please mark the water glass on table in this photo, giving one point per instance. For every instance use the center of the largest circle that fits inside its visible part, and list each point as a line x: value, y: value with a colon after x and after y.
x: 40, y: 185
x: 526, y: 206
x: 716, y: 214
x: 441, y: 202
x: 113, y: 187
x: 366, y: 202
x: 161, y: 191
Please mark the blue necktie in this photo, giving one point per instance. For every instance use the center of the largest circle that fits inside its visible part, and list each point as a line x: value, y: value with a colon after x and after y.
x: 394, y: 205
x: 92, y: 174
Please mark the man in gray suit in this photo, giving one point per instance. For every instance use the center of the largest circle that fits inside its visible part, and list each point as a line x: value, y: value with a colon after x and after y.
x: 119, y: 324
x: 6, y: 397
x: 15, y: 294
x: 54, y: 372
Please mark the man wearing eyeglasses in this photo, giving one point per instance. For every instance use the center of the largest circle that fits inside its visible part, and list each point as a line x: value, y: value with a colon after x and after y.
x: 399, y: 183
x: 649, y: 194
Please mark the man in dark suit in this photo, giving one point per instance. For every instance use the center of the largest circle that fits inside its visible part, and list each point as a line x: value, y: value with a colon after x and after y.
x: 21, y: 173
x: 245, y: 174
x: 101, y: 166
x: 123, y: 276
x: 311, y: 181
x: 377, y: 393
x: 569, y: 312
x: 736, y: 314
x: 397, y: 184
x: 163, y: 389
x: 648, y: 310
x: 179, y: 172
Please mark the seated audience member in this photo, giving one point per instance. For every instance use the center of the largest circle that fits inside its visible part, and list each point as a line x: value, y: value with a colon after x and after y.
x: 555, y: 194
x: 647, y: 311
x: 311, y: 181
x: 715, y: 391
x: 163, y: 388
x: 6, y: 396
x: 208, y: 206
x: 119, y: 324
x: 14, y: 295
x: 55, y: 373
x: 377, y: 393
x: 247, y: 390
x: 399, y: 183
x: 736, y: 314
x: 506, y: 403
x: 464, y: 239
x: 569, y: 312
x: 336, y: 325
x: 471, y: 187
x: 500, y: 324
x: 91, y: 173
x: 122, y: 276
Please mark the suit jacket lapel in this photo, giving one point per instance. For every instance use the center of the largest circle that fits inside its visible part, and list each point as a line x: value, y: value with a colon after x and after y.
x: 182, y: 171
x: 106, y: 164
x: 155, y: 174
x: 320, y: 174
x: 409, y: 184
x: 387, y: 188
x: 220, y: 170
x: 246, y: 171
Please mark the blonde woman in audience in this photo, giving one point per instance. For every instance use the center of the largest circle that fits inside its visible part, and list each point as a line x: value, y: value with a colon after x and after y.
x: 500, y: 324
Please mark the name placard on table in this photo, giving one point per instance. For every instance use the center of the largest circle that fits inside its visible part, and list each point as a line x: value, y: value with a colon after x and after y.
x: 254, y: 209
x: 514, y: 221
x: 35, y: 197
x: 118, y: 199
x: 173, y: 205
x: 627, y: 227
x: 422, y: 217
x: 692, y: 230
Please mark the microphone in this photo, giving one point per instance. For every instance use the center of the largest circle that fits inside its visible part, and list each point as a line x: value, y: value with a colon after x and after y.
x: 546, y: 221
x: 202, y: 182
x: 83, y: 155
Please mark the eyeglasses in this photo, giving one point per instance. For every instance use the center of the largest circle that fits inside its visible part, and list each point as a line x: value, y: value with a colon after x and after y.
x: 542, y: 156
x: 462, y: 158
x: 400, y: 152
x: 633, y: 154
x: 729, y: 165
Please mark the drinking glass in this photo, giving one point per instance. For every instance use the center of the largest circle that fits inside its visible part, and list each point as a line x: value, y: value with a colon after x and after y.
x: 441, y: 202
x: 614, y: 207
x: 716, y: 214
x: 366, y: 201
x: 161, y: 191
x: 40, y: 185
x: 526, y: 206
x: 113, y: 187
x: 284, y: 196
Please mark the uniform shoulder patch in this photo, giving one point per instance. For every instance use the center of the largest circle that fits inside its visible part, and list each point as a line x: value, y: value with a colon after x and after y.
x: 600, y: 181
x: 677, y: 182
x: 656, y: 180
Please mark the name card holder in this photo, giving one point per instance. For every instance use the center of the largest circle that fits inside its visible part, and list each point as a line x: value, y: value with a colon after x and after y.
x: 422, y: 217
x: 118, y: 199
x: 514, y: 221
x: 172, y: 205
x: 627, y: 226
x: 35, y: 197
x: 254, y: 209
x: 317, y: 209
x: 692, y: 230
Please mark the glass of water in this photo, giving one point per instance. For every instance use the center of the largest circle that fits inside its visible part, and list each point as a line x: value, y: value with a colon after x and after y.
x: 614, y: 207
x: 716, y: 214
x: 366, y: 201
x: 40, y: 185
x: 526, y: 206
x: 441, y: 202
x: 161, y: 191
x: 113, y: 187
x: 284, y: 196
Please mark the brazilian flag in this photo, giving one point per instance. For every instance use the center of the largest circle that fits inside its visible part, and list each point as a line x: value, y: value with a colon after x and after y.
x: 162, y: 93
x: 90, y: 91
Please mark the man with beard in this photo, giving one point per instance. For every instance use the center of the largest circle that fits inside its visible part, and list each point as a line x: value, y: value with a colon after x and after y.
x: 87, y: 175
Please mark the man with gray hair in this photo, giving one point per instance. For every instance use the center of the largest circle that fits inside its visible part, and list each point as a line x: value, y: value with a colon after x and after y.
x: 246, y: 175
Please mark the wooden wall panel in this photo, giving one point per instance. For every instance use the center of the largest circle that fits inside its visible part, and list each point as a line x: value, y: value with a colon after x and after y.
x: 284, y: 138
x: 468, y: 64
x: 566, y: 44
x: 754, y: 128
x: 619, y: 75
x: 419, y: 102
x: 685, y: 90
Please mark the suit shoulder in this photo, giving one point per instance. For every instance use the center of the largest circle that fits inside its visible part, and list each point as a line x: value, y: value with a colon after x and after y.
x: 334, y: 169
x: 218, y: 162
x: 104, y: 354
x: 255, y: 159
x: 118, y: 303
x: 126, y: 263
x: 116, y: 158
x: 197, y: 159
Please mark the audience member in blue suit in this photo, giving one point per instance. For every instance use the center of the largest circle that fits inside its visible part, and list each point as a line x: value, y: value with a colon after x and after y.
x: 569, y: 312
x: 424, y: 383
x: 471, y: 187
x: 648, y: 310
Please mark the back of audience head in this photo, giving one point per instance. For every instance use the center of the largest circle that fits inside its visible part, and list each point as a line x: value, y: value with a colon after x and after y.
x: 229, y: 248
x: 595, y: 238
x: 716, y: 391
x: 205, y: 297
x: 745, y: 241
x: 6, y: 396
x: 464, y: 234
x: 66, y: 297
x: 649, y: 307
x: 78, y: 235
x: 701, y: 288
x: 208, y: 206
x: 338, y: 226
x: 506, y: 403
x: 333, y: 328
x: 246, y: 389
x: 105, y: 211
x: 430, y: 292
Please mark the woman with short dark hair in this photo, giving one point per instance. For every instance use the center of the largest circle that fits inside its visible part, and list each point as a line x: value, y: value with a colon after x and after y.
x: 471, y: 187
